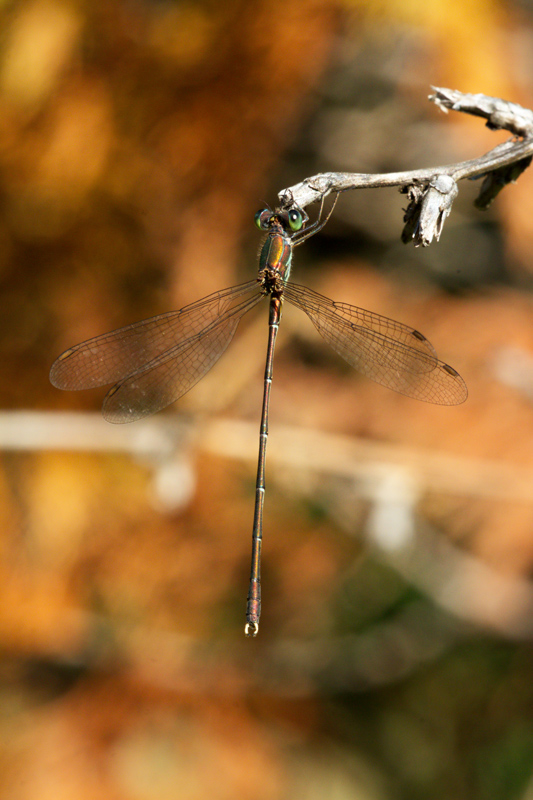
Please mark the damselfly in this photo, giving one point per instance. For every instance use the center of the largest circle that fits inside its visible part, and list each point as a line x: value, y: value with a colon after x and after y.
x: 154, y: 362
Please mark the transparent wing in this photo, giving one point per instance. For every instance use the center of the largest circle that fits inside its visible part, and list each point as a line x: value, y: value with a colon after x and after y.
x: 172, y: 374
x: 113, y: 356
x: 386, y: 351
x: 158, y: 360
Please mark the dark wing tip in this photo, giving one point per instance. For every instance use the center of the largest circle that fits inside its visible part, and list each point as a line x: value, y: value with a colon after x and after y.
x: 57, y: 376
x: 457, y: 391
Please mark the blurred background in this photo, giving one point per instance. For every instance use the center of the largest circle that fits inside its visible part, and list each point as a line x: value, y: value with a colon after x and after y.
x: 395, y: 658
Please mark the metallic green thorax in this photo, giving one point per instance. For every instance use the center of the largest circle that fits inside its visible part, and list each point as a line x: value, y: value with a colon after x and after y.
x: 276, y: 254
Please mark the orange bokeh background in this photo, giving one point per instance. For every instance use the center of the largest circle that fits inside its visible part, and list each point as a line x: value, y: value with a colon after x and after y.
x: 137, y: 140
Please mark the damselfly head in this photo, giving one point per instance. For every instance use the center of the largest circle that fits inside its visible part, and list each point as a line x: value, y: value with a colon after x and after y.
x: 293, y: 220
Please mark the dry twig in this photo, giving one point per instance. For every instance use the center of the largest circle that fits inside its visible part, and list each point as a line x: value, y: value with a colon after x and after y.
x: 432, y: 191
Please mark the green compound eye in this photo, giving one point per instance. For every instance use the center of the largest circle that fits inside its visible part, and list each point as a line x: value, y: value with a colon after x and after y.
x: 295, y: 219
x: 262, y: 218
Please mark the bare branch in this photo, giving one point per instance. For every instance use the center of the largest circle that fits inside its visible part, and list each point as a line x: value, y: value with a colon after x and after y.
x: 424, y: 218
x: 498, y: 113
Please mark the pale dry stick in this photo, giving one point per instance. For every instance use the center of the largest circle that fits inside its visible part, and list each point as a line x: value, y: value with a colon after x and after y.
x: 432, y: 190
x: 343, y: 457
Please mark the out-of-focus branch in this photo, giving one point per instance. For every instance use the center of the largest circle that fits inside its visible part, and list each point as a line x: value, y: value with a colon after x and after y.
x: 431, y: 191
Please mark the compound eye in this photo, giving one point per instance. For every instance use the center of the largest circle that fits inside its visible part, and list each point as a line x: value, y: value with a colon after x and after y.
x: 262, y: 219
x: 295, y: 219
